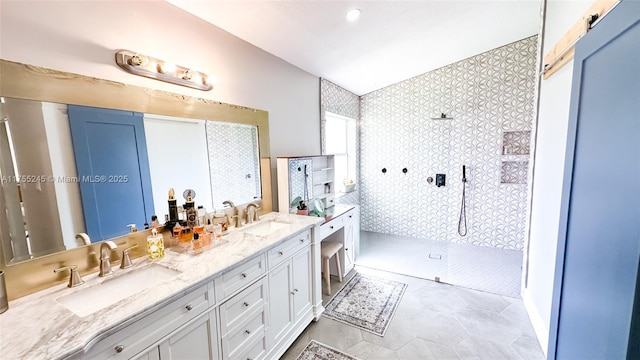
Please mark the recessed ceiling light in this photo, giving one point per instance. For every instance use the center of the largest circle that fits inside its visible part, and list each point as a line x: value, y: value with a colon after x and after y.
x: 353, y: 15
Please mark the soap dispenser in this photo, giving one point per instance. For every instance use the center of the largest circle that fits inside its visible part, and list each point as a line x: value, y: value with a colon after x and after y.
x: 155, y: 245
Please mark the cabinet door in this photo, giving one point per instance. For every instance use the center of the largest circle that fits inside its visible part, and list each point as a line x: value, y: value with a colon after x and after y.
x: 280, y: 303
x: 351, y: 231
x: 301, y: 268
x: 196, y: 341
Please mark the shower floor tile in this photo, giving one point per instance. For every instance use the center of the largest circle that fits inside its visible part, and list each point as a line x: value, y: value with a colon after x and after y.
x: 487, y: 269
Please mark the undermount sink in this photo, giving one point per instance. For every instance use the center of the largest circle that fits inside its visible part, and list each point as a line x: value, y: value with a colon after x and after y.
x: 265, y: 228
x: 89, y: 300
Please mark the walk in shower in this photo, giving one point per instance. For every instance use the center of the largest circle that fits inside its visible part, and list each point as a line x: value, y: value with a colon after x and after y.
x: 412, y: 224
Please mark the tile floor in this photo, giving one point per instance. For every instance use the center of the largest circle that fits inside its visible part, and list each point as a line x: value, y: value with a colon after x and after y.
x: 434, y: 321
x: 487, y: 269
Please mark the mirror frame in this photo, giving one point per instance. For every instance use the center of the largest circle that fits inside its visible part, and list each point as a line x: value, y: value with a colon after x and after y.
x: 31, y: 82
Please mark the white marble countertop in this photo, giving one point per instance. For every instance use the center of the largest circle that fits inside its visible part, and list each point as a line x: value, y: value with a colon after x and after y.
x: 38, y: 327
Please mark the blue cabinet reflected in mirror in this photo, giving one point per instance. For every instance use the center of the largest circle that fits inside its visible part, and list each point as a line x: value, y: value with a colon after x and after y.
x: 42, y: 194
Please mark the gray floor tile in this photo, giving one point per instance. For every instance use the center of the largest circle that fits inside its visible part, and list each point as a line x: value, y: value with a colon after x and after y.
x: 475, y: 348
x: 482, y: 300
x: 294, y: 350
x: 410, y: 306
x: 367, y: 351
x: 488, y: 324
x: 528, y: 348
x: 442, y: 329
x: 334, y: 333
x: 434, y: 321
x: 420, y: 349
x: 399, y: 333
x: 517, y: 314
x: 441, y: 298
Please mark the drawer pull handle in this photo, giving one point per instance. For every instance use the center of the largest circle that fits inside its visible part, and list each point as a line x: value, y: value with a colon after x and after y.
x: 346, y: 249
x: 280, y: 253
x: 244, y: 275
x: 293, y: 293
x: 247, y: 332
x: 350, y: 216
x: 189, y: 307
x: 246, y: 304
x: 119, y: 348
x: 295, y: 290
x: 301, y: 240
x: 331, y: 227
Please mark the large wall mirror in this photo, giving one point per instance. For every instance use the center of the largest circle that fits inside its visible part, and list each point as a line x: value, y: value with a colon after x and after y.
x: 209, y: 147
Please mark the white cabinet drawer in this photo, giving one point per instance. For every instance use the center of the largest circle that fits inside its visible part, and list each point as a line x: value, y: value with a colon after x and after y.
x: 330, y: 227
x: 256, y: 351
x: 287, y: 248
x: 141, y: 334
x: 246, y: 333
x: 239, y: 277
x: 329, y: 201
x: 235, y: 310
x: 349, y: 216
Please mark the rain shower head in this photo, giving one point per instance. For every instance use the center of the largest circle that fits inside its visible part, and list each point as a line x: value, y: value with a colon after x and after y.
x: 442, y: 116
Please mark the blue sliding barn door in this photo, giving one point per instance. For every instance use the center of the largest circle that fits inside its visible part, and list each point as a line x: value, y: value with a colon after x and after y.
x: 113, y: 168
x: 601, y: 196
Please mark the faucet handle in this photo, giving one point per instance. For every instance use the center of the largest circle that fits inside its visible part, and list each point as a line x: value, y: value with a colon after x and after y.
x: 126, y: 259
x: 256, y: 217
x: 74, y: 278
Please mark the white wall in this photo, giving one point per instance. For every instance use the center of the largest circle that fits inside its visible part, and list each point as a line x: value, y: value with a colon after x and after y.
x: 177, y: 159
x: 63, y: 165
x: 82, y: 37
x: 549, y: 170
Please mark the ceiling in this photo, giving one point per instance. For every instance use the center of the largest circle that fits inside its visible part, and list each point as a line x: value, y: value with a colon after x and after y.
x: 390, y: 42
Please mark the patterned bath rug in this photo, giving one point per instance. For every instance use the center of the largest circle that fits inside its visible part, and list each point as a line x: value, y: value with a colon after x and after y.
x: 366, y: 302
x: 319, y: 351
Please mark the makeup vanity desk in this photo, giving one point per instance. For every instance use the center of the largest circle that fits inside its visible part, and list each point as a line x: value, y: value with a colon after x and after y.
x: 342, y: 223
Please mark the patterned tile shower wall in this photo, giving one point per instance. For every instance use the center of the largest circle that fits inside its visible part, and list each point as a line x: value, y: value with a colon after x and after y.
x: 342, y: 102
x: 487, y: 95
x: 297, y: 179
x: 239, y: 161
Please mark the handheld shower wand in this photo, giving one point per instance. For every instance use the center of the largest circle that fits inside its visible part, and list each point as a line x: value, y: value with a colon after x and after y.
x: 462, y: 222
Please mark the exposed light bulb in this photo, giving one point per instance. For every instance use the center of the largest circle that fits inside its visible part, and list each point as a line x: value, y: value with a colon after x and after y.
x: 353, y: 15
x: 188, y: 75
x: 135, y: 60
x: 167, y: 68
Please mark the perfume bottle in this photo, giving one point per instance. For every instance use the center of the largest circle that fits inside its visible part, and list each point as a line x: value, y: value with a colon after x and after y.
x: 155, y: 245
x: 173, y: 207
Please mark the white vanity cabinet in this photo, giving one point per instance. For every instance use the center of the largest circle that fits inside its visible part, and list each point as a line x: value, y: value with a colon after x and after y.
x: 253, y: 310
x: 290, y: 295
x: 143, y: 335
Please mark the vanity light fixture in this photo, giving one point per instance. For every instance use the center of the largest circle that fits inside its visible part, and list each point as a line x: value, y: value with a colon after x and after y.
x: 153, y: 68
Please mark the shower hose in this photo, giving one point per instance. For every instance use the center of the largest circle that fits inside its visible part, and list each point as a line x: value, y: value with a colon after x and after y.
x: 462, y: 222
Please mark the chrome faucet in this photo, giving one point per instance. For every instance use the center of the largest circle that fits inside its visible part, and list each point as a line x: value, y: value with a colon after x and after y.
x: 105, y: 253
x: 252, y: 212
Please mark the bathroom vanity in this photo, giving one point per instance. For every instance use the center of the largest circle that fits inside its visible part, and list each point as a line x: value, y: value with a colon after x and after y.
x: 248, y: 298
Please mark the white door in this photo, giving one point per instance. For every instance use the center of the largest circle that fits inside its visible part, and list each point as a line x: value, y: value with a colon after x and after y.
x: 301, y: 282
x: 280, y: 302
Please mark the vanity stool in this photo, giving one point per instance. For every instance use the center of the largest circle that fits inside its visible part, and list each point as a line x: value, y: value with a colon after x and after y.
x: 328, y: 249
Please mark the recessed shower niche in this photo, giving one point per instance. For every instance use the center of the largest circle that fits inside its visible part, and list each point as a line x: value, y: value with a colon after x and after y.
x: 515, y: 157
